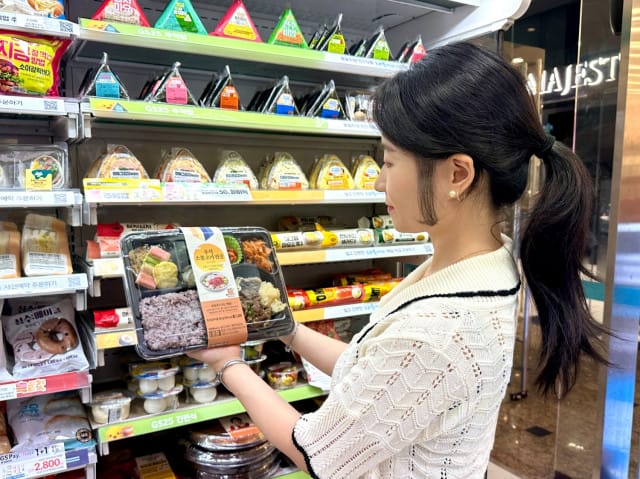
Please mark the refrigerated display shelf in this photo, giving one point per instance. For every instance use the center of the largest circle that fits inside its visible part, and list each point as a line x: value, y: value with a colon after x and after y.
x: 140, y: 424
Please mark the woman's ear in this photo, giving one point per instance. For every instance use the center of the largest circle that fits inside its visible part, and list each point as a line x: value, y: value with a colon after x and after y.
x: 462, y: 172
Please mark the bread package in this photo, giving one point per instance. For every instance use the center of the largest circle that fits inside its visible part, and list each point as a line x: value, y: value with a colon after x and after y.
x: 330, y: 173
x: 181, y: 166
x: 45, y: 248
x: 233, y: 169
x: 9, y: 250
x: 118, y: 163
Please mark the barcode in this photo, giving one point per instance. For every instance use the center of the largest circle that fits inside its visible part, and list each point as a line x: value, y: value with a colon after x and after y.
x: 66, y: 27
x: 74, y: 282
x: 59, y: 198
x: 50, y: 105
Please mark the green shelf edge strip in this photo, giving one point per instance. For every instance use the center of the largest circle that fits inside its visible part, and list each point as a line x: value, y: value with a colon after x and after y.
x: 294, y: 475
x: 187, y: 416
x: 208, y: 45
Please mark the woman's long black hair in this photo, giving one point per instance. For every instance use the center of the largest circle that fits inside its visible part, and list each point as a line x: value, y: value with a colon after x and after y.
x: 462, y: 99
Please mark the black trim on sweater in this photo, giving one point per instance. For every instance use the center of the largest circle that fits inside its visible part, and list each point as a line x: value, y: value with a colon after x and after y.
x: 460, y: 294
x: 307, y: 460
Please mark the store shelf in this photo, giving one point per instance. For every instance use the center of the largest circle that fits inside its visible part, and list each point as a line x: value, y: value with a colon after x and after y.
x: 150, y: 192
x: 51, y: 27
x: 334, y: 312
x: 99, y: 269
x: 46, y: 286
x: 187, y: 115
x: 287, y: 258
x: 70, y: 199
x: 209, y: 52
x: 185, y: 415
x: 22, y: 388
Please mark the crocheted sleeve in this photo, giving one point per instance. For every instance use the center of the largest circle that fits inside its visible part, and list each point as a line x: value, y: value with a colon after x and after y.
x: 400, y: 389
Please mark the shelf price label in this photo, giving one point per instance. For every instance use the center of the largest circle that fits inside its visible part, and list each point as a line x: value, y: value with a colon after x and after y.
x: 37, y: 198
x: 48, y: 459
x: 354, y: 195
x: 42, y: 106
x: 42, y: 285
x: 215, y: 192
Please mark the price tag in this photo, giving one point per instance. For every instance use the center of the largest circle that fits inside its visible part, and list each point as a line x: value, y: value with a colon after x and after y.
x: 44, y: 106
x: 8, y: 391
x: 224, y: 193
x: 354, y: 195
x: 48, y: 459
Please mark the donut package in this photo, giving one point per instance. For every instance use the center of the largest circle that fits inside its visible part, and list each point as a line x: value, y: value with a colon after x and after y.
x: 45, y: 341
x: 202, y: 287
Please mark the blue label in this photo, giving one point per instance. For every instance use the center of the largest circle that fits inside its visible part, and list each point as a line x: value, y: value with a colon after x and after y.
x: 107, y: 86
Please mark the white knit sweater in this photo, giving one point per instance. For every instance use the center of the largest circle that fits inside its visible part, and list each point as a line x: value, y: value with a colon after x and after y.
x: 416, y: 394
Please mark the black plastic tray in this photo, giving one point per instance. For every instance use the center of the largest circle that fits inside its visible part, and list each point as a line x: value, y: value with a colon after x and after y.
x: 173, y: 242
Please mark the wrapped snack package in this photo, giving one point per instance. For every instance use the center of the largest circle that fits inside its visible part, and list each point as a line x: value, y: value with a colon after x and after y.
x: 9, y: 250
x: 330, y: 173
x: 233, y: 169
x: 181, y: 166
x: 347, y: 238
x: 45, y: 248
x: 171, y: 88
x: 284, y: 173
x: 332, y: 39
x: 376, y: 47
x: 324, y: 103
x: 18, y: 73
x: 287, y: 31
x: 278, y: 99
x: 103, y: 82
x: 365, y: 172
x: 412, y: 52
x: 108, y: 235
x: 122, y: 11
x: 179, y: 15
x: 45, y: 341
x: 118, y: 162
x: 44, y: 8
x: 357, y: 106
x: 43, y: 420
x: 220, y: 92
x: 237, y: 23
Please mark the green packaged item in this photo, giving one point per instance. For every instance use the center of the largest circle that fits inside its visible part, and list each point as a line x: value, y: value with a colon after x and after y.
x: 180, y: 16
x: 287, y: 32
x: 334, y: 41
x: 378, y: 47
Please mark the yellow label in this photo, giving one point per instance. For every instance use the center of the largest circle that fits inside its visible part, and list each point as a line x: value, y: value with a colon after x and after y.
x: 38, y: 180
x: 209, y: 257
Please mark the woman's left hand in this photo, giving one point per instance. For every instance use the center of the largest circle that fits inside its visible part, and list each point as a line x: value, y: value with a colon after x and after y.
x: 216, y: 357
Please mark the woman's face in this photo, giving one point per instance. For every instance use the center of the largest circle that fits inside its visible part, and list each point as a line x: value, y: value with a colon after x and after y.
x: 399, y: 181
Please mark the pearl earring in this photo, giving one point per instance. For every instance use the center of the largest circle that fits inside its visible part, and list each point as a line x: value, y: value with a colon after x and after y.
x: 453, y: 194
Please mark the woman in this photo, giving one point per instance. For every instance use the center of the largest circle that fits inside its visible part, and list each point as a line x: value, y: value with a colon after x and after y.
x: 416, y: 393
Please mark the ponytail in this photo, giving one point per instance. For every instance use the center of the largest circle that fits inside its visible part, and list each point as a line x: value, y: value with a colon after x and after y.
x: 552, y: 249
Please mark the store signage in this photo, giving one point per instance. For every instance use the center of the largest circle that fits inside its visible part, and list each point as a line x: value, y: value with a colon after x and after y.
x: 563, y: 80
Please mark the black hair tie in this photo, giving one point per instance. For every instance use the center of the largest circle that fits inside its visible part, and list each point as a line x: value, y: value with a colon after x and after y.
x: 546, y: 148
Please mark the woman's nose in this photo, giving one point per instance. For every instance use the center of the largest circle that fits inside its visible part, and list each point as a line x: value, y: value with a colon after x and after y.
x: 379, y: 185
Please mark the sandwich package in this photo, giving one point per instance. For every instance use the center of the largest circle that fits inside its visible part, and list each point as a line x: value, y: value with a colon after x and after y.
x: 117, y: 163
x: 412, y: 52
x: 168, y: 88
x: 9, y: 250
x: 121, y: 11
x: 45, y: 341
x: 51, y: 418
x: 365, y: 172
x: 282, y: 172
x: 18, y: 162
x: 323, y: 103
x: 330, y: 39
x: 233, y: 169
x: 277, y: 99
x: 220, y: 92
x: 181, y: 166
x: 106, y: 242
x: 180, y: 16
x: 103, y: 82
x: 375, y: 47
x: 44, y: 246
x: 237, y: 23
x: 330, y: 173
x: 288, y: 32
x: 202, y: 287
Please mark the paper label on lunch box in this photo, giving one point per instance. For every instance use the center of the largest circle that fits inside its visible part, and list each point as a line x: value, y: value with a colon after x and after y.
x: 216, y: 286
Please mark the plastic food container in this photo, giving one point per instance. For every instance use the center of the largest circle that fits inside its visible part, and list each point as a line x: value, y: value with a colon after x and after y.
x: 252, y: 350
x: 282, y: 375
x: 256, y: 364
x: 154, y: 377
x: 202, y: 392
x: 251, y: 462
x: 161, y: 290
x: 110, y: 406
x: 215, y: 437
x: 15, y: 160
x: 197, y: 372
x: 160, y: 401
